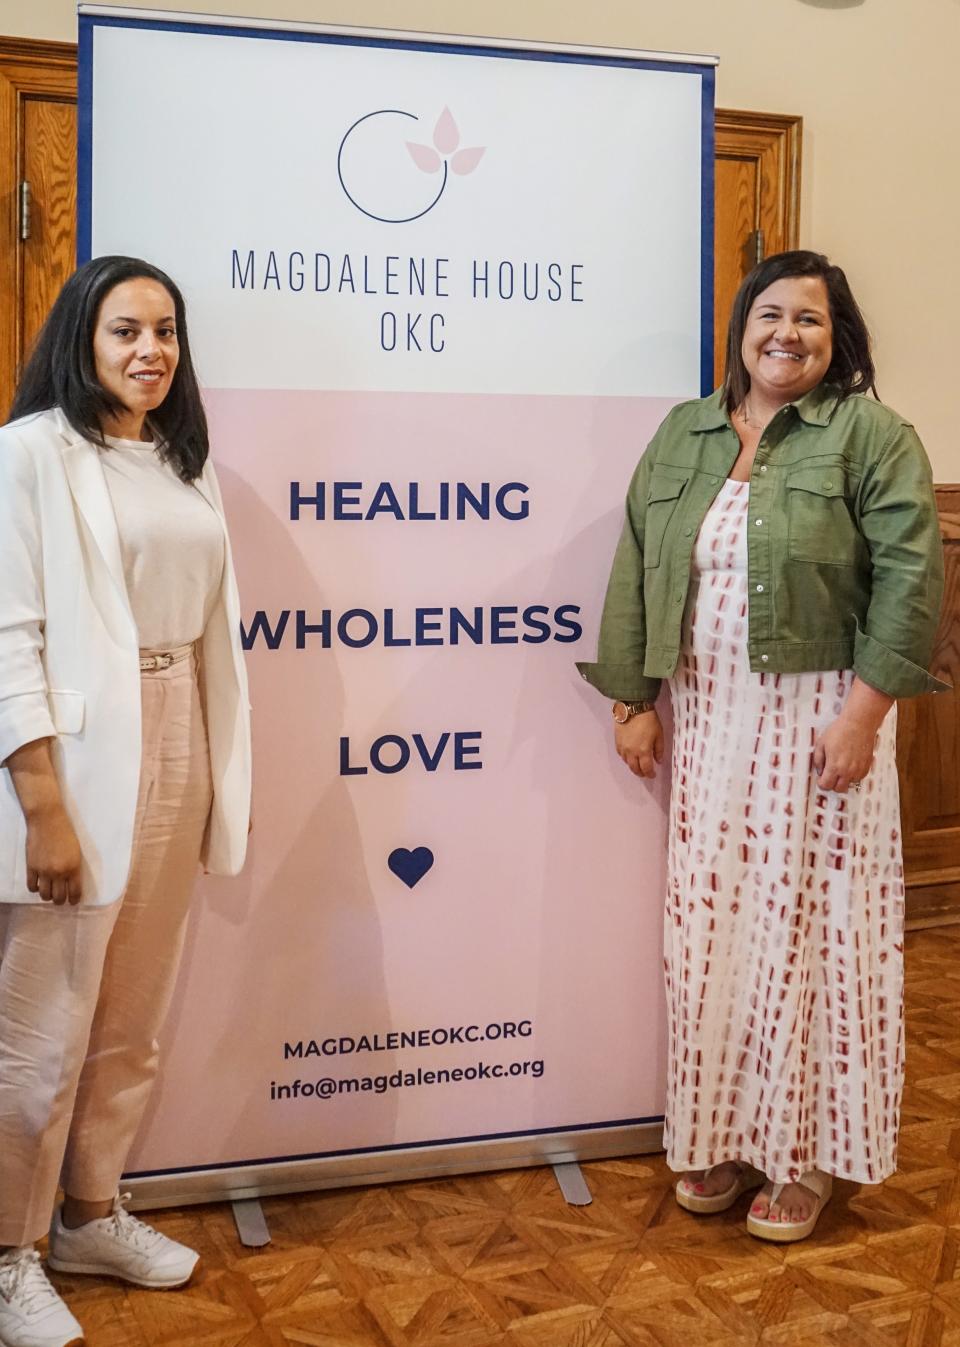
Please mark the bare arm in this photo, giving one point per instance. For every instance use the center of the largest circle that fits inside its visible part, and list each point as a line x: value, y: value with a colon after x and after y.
x: 867, y: 704
x: 53, y: 851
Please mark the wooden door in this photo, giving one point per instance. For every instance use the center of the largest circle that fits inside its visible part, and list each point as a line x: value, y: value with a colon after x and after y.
x: 757, y: 203
x: 928, y: 751
x: 38, y: 90
x: 49, y: 177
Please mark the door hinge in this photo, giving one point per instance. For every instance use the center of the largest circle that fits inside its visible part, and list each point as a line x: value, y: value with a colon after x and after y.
x: 26, y: 204
x: 757, y: 242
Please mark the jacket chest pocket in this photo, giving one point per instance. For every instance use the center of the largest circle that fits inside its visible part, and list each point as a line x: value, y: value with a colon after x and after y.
x: 662, y: 499
x: 820, y: 527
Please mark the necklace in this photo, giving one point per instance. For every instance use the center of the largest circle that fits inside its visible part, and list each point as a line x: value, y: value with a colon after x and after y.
x: 744, y: 413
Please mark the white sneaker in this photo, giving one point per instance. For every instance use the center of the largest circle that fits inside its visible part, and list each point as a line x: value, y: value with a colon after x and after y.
x: 121, y: 1246
x: 31, y: 1312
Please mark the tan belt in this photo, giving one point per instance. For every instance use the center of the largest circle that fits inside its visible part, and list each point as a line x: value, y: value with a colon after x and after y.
x: 153, y: 660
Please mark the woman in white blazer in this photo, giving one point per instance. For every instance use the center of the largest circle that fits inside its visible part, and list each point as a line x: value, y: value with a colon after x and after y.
x: 125, y: 745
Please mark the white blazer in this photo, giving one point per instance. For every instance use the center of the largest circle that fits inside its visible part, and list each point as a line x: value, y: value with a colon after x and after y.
x: 69, y: 665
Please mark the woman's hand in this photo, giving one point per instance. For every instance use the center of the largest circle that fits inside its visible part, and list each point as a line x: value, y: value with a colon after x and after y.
x: 53, y: 852
x: 53, y: 857
x: 640, y: 743
x: 843, y: 754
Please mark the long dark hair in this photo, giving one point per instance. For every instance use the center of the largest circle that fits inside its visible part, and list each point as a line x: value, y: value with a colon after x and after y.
x: 851, y: 369
x: 61, y: 371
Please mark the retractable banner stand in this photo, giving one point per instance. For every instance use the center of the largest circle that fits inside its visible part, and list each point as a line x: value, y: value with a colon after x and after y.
x: 440, y: 295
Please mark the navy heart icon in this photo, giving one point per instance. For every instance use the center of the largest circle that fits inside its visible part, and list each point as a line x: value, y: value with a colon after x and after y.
x: 410, y: 866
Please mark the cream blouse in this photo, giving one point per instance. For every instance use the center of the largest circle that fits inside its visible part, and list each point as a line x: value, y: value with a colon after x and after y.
x: 171, y: 543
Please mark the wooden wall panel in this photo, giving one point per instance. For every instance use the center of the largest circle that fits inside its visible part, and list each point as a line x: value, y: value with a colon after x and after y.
x: 928, y: 751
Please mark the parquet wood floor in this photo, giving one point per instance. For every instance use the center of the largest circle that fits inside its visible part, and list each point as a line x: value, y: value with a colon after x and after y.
x: 500, y: 1260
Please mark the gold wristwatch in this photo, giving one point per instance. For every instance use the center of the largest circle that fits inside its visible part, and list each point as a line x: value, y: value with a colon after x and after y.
x: 624, y: 711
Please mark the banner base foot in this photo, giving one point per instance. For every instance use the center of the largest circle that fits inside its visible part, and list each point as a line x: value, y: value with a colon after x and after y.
x: 572, y: 1184
x: 251, y: 1223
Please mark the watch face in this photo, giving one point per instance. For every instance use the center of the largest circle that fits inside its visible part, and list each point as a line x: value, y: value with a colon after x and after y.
x: 620, y: 713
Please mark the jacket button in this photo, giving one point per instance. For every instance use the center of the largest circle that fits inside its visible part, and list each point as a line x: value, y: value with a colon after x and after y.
x: 759, y: 589
x: 758, y: 522
x: 688, y: 533
x: 827, y: 485
x: 764, y: 658
x: 763, y: 467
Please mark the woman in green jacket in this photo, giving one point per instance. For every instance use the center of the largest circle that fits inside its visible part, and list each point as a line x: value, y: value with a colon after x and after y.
x: 780, y: 565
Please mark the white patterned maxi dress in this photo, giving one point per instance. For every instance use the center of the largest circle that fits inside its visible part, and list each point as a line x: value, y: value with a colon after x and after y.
x: 783, y: 940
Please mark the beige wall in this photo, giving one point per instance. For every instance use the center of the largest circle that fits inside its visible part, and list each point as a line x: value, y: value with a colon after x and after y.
x: 874, y: 80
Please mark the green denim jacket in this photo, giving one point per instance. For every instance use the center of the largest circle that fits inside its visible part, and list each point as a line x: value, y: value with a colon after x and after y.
x: 845, y: 562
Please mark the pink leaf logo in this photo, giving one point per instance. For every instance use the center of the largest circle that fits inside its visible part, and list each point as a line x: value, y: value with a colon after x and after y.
x: 446, y: 136
x: 465, y: 161
x: 425, y: 158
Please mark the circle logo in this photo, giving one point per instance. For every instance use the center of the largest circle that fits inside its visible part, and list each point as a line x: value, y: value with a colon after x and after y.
x: 393, y: 179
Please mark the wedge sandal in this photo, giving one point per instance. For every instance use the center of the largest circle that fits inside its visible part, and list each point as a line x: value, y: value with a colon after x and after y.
x: 788, y: 1232
x: 703, y: 1205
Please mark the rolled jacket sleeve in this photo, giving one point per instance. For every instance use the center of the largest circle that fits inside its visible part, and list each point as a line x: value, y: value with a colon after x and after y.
x: 24, y: 709
x: 618, y: 669
x: 898, y: 520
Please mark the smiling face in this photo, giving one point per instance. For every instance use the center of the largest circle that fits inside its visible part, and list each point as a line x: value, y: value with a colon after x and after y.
x: 135, y: 351
x: 788, y: 340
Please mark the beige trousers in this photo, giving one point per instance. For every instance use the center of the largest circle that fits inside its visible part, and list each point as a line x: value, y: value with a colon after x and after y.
x: 85, y: 990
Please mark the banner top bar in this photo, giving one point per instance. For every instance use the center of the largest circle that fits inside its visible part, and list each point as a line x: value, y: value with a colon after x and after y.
x: 404, y: 35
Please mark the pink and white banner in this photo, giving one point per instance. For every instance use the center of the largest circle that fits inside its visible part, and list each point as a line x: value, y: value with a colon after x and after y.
x: 440, y: 296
